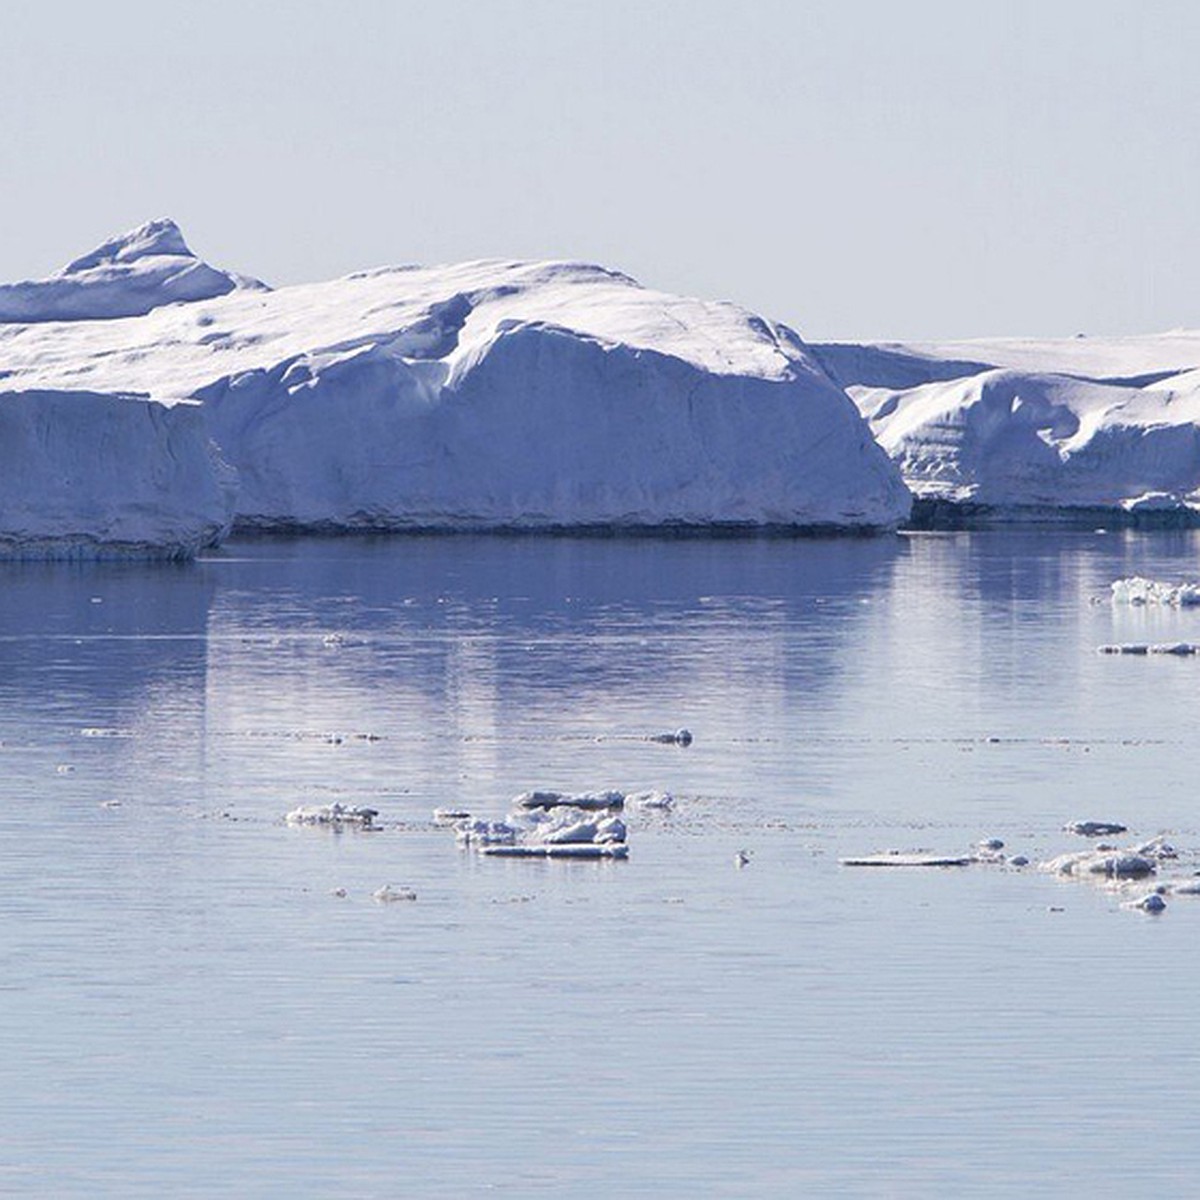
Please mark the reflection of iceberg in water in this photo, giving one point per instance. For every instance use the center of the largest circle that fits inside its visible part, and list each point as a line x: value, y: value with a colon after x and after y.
x: 102, y: 670
x: 497, y: 663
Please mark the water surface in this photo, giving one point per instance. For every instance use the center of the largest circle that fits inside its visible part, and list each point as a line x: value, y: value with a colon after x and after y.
x: 191, y: 1011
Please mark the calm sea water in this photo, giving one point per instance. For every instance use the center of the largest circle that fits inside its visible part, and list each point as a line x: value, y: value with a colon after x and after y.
x: 190, y: 1011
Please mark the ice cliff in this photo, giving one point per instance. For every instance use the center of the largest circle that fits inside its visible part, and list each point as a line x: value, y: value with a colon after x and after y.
x: 1024, y: 430
x: 489, y: 394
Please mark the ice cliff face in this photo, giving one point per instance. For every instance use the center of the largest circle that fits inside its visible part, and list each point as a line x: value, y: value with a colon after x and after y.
x: 490, y: 394
x: 87, y: 474
x: 1022, y: 430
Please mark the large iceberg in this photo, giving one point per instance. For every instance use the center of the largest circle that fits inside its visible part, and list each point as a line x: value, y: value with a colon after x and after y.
x: 484, y: 395
x: 1021, y: 430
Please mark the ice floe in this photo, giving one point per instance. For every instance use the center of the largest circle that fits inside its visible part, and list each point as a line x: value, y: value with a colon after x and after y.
x: 550, y: 825
x: 1094, y: 828
x: 651, y: 800
x: 900, y: 858
x: 1109, y: 864
x: 333, y: 815
x: 1139, y: 592
x: 391, y: 893
x: 1178, y: 649
x: 586, y: 800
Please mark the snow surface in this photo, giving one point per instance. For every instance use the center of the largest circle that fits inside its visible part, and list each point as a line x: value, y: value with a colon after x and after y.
x: 1025, y: 426
x: 488, y: 394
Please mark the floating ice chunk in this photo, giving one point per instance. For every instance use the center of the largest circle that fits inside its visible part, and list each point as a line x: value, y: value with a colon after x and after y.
x: 1111, y: 864
x: 662, y: 801
x: 449, y: 816
x: 334, y: 815
x: 64, y: 769
x: 552, y: 850
x: 1138, y: 591
x: 105, y: 731
x: 591, y: 801
x: 1018, y: 860
x: 1094, y: 828
x: 552, y: 829
x: 897, y: 858
x: 579, y: 831
x: 486, y: 833
x: 1153, y: 903
x: 741, y: 859
x: 1157, y: 848
x: 1179, y: 649
x: 390, y: 892
x: 990, y: 850
x: 1184, y: 887
x: 610, y: 829
x: 681, y: 737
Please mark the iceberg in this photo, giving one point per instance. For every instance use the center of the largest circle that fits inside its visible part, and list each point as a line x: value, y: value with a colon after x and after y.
x: 521, y: 395
x: 1066, y: 430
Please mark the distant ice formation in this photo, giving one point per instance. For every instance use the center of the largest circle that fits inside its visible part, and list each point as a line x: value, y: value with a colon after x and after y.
x: 996, y: 431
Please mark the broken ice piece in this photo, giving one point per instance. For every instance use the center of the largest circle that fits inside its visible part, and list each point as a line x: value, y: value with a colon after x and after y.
x: 1094, y: 828
x: 334, y: 815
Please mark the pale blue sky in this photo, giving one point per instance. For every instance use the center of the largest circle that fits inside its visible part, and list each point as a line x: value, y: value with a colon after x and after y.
x: 922, y: 170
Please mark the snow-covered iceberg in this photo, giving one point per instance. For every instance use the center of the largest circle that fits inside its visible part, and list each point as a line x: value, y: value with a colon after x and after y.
x: 490, y: 394
x: 1006, y: 430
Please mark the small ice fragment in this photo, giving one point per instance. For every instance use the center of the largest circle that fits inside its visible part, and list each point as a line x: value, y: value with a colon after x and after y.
x: 486, y: 833
x: 1116, y: 864
x: 1018, y: 860
x: 390, y: 892
x: 662, y: 801
x: 1094, y: 828
x: 742, y: 859
x: 105, y: 731
x: 340, y: 892
x: 1156, y: 847
x: 591, y: 801
x: 448, y: 816
x: 64, y: 769
x: 110, y: 804
x: 1153, y: 903
x: 567, y: 850
x: 991, y: 844
x: 895, y: 858
x: 334, y: 815
x: 1184, y: 887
